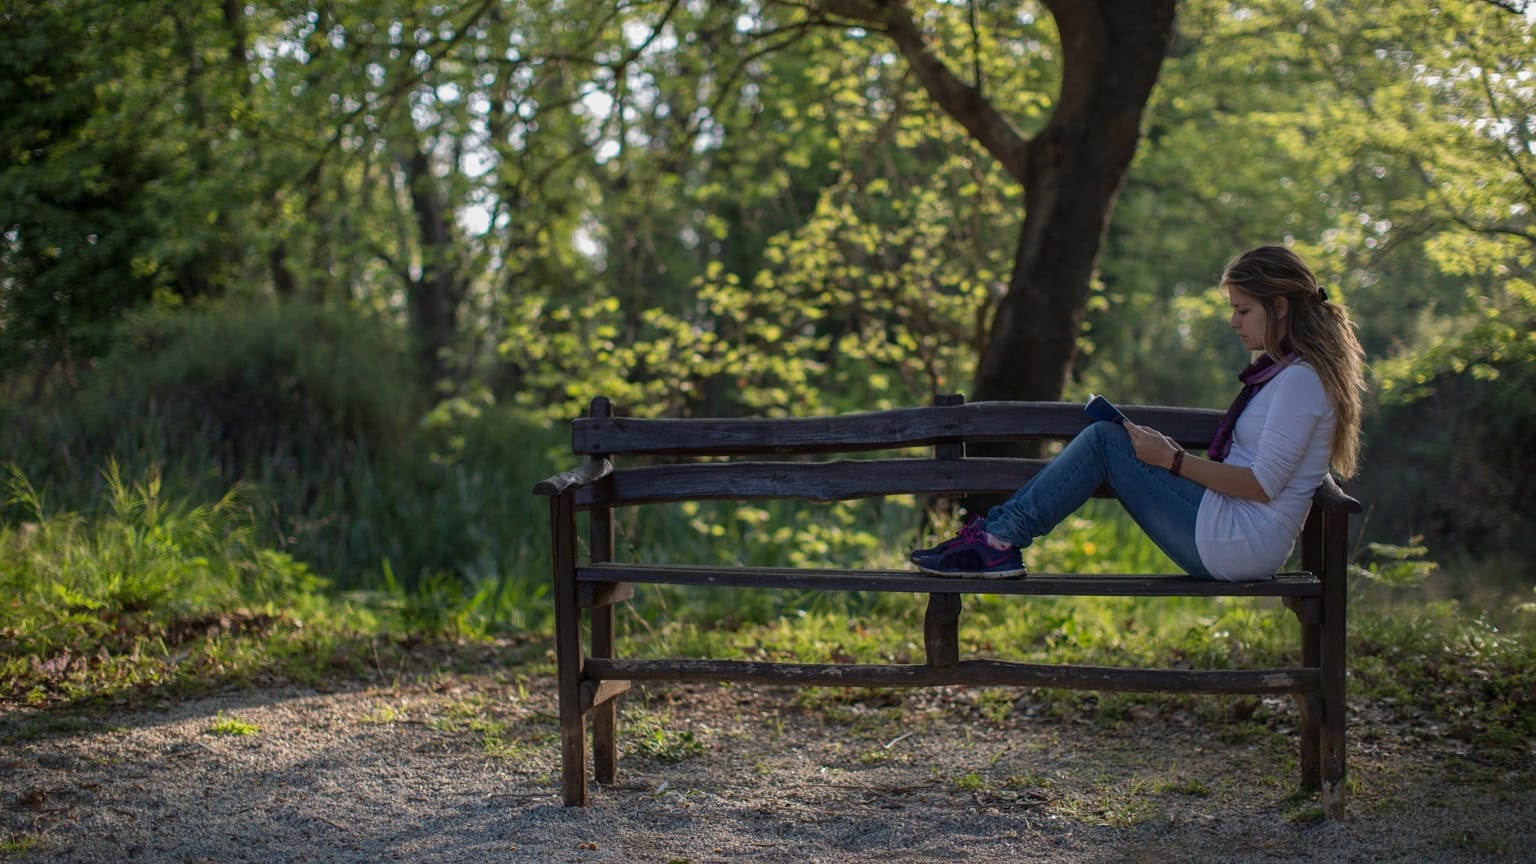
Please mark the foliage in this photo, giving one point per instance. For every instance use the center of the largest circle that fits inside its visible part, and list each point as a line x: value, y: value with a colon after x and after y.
x: 1397, y: 566
x: 143, y: 590
x: 1386, y: 142
x: 291, y: 400
x: 1451, y: 466
x: 261, y: 384
x: 231, y: 236
x: 1455, y: 665
x: 807, y: 246
x: 118, y: 116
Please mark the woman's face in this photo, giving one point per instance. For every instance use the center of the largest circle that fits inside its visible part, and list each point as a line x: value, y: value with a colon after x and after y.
x: 1249, y: 319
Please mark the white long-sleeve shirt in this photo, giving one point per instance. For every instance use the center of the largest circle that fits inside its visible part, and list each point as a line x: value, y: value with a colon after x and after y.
x: 1286, y: 436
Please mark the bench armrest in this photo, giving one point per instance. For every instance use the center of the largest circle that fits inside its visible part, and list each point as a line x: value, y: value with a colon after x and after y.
x: 1330, y: 498
x: 585, y: 474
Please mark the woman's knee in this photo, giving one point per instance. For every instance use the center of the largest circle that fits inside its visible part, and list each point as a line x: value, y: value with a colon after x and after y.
x: 1104, y: 432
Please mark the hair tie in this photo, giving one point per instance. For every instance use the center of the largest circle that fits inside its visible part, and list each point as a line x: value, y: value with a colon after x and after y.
x: 1322, y: 293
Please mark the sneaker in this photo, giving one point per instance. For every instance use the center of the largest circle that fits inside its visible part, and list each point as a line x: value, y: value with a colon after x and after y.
x: 972, y: 530
x: 975, y: 557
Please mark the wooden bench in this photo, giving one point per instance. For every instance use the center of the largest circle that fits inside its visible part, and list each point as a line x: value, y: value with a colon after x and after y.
x: 702, y: 463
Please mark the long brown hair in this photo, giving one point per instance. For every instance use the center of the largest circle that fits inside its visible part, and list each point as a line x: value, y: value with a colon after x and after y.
x: 1317, y: 328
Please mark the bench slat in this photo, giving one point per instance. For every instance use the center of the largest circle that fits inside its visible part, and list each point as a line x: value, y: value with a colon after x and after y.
x: 967, y: 672
x: 1298, y: 584
x: 833, y: 480
x: 871, y: 430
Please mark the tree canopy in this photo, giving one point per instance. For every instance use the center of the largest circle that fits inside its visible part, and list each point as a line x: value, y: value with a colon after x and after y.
x: 772, y: 206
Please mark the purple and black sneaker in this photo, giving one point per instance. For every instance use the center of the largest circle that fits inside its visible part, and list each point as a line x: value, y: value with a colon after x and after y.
x: 974, y: 528
x: 972, y: 556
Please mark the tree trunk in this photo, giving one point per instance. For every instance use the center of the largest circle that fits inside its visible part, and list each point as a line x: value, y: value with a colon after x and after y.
x: 435, y: 294
x: 1113, y: 51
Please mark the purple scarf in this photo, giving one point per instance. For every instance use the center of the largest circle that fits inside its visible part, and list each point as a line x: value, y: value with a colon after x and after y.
x: 1254, y: 377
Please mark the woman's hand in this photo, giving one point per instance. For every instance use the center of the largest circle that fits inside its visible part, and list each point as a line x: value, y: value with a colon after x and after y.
x: 1155, y: 448
x: 1152, y: 446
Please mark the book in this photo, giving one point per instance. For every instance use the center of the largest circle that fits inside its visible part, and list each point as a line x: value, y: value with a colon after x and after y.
x: 1100, y: 408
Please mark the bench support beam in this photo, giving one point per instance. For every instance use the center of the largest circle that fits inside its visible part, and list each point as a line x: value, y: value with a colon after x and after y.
x: 968, y: 672
x: 941, y: 630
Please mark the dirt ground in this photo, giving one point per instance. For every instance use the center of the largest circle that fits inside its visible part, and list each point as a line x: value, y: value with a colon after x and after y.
x: 464, y: 768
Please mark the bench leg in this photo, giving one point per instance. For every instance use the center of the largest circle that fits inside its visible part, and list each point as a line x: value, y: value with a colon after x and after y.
x: 1309, y: 612
x: 941, y: 630
x: 1331, y: 749
x: 1335, y: 599
x: 573, y: 755
x: 573, y: 743
x: 605, y: 753
x: 1310, y: 705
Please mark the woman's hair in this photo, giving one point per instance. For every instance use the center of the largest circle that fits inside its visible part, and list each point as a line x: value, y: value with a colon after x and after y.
x: 1316, y: 328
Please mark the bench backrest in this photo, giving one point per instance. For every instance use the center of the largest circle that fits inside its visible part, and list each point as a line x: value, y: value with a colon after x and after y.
x: 716, y: 475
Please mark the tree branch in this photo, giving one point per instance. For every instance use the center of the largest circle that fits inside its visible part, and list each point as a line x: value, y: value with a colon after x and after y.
x: 1505, y: 152
x: 961, y: 101
x: 1517, y: 7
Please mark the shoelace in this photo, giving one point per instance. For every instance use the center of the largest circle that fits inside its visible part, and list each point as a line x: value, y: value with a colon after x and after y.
x: 972, y: 530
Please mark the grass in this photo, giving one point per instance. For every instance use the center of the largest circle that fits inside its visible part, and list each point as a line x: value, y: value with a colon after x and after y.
x: 652, y: 734
x: 226, y: 724
x: 150, y: 593
x: 971, y: 782
x: 20, y: 844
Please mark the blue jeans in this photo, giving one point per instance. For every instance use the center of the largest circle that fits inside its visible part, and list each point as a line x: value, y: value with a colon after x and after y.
x: 1163, y: 505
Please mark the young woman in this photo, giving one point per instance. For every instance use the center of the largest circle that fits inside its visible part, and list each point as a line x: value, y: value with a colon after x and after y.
x: 1236, y: 513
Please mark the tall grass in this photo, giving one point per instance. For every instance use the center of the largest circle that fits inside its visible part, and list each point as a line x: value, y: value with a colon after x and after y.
x: 141, y: 591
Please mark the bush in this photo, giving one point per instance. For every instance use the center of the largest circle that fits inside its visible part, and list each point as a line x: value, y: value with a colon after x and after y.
x: 258, y: 384
x: 294, y: 402
x: 1450, y: 465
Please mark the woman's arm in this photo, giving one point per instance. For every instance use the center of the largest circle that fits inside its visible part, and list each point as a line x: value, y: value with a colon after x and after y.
x: 1155, y: 448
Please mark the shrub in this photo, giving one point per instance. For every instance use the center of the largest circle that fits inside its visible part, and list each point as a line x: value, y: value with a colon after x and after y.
x: 256, y: 384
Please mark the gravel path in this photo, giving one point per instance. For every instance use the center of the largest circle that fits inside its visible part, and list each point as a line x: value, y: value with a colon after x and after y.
x: 464, y: 768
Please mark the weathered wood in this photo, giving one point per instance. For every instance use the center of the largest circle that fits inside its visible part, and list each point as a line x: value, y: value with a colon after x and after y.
x: 604, y: 711
x: 1335, y: 568
x: 590, y: 595
x: 942, y: 505
x: 833, y: 480
x: 596, y: 694
x: 872, y: 430
x: 1330, y: 497
x: 941, y: 630
x: 1311, y: 619
x: 815, y: 579
x: 1309, y: 610
x: 573, y: 743
x: 585, y: 474
x: 968, y: 672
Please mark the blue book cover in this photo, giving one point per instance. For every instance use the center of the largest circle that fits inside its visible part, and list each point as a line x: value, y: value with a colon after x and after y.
x: 1100, y: 408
